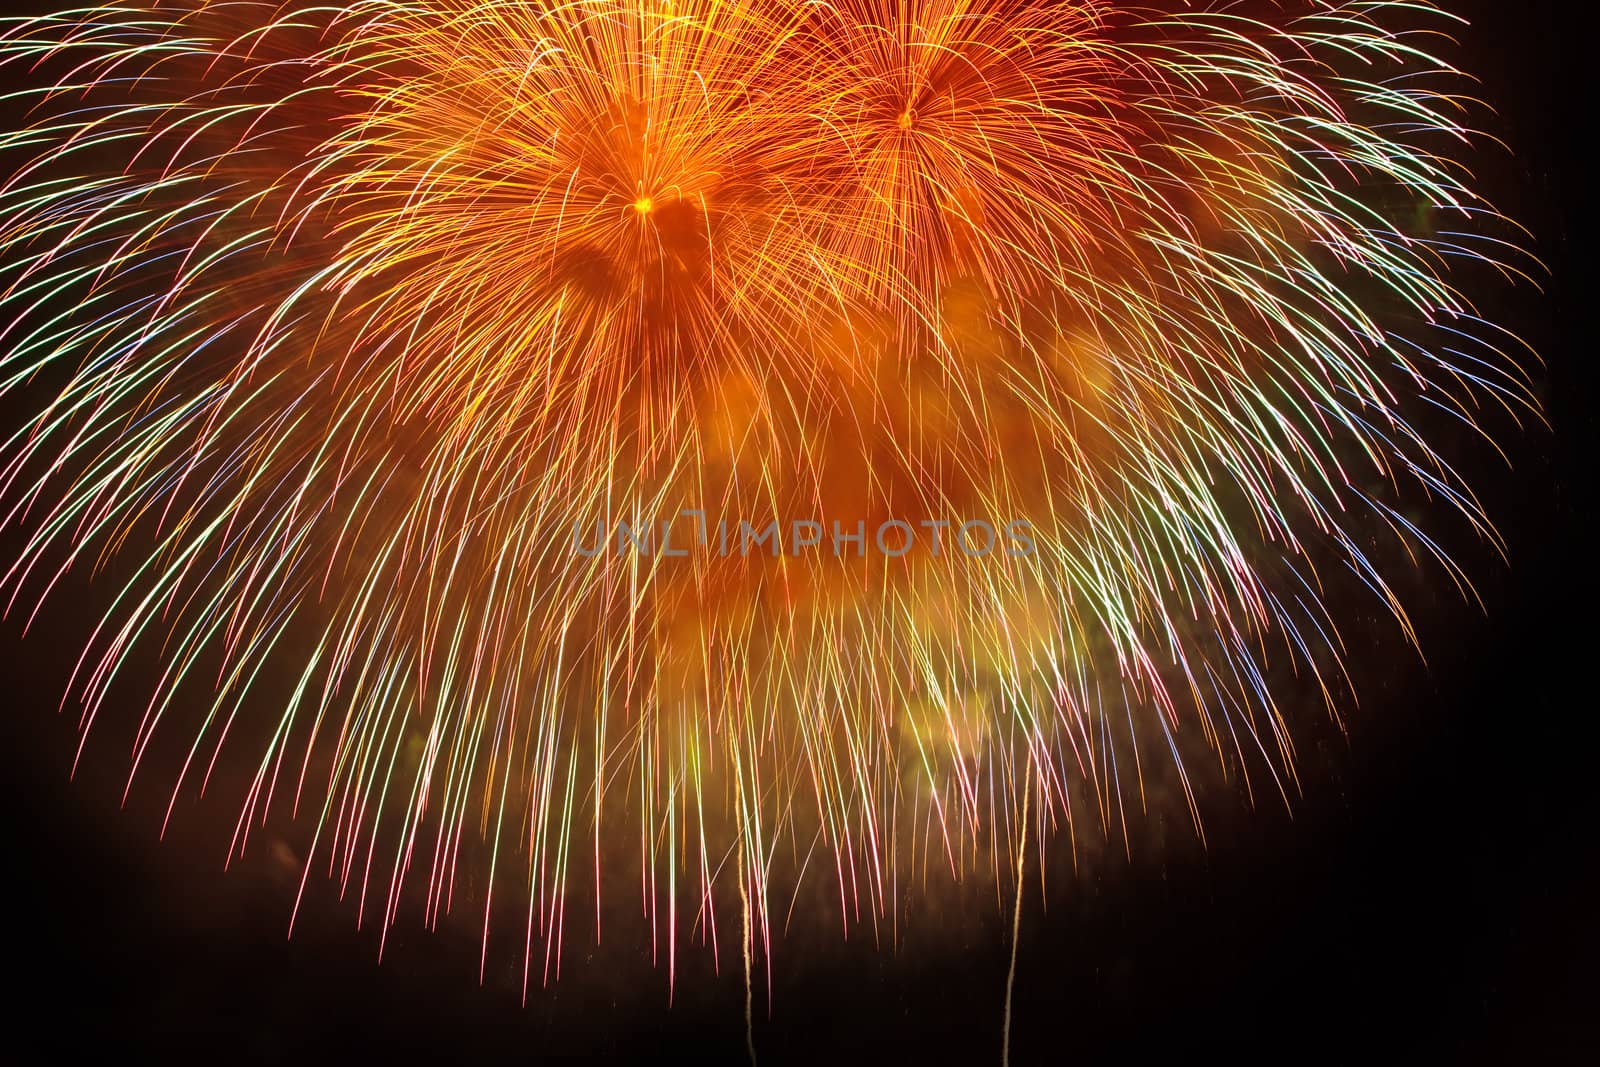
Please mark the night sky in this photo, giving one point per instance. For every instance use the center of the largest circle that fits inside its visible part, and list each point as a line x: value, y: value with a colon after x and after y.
x: 1430, y: 896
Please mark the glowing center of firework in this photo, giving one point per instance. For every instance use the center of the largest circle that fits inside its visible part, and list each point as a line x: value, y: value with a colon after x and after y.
x: 908, y: 118
x: 643, y: 205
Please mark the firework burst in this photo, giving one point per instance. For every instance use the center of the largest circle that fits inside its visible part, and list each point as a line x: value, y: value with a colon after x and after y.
x: 336, y: 325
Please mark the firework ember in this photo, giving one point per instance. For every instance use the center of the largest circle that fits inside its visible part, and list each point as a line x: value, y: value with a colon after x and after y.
x: 692, y: 449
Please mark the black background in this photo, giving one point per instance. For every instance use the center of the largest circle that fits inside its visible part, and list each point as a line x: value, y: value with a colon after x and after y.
x: 1431, y: 897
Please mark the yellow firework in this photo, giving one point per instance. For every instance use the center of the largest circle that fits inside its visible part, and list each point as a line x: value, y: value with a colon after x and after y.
x: 782, y: 436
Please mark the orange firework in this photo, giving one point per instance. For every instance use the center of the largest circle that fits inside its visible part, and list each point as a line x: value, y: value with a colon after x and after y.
x: 782, y: 435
